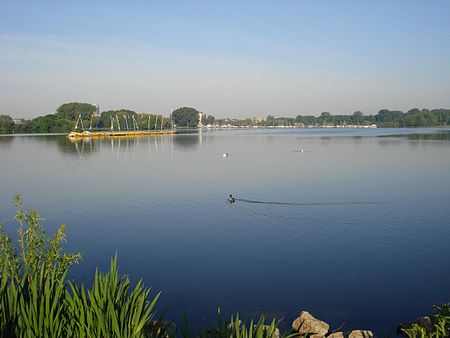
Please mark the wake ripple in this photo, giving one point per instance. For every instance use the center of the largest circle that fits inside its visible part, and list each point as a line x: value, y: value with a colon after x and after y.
x: 306, y: 204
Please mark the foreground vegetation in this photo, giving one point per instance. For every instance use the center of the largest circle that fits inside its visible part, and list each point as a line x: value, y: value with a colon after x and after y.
x: 436, y: 326
x: 36, y: 299
x: 66, y: 115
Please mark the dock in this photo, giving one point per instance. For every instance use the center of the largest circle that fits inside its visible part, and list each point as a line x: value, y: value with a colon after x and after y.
x: 87, y: 134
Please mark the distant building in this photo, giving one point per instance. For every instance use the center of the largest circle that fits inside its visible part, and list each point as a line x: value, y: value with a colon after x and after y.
x: 200, y: 117
x: 17, y: 121
x: 96, y: 113
x: 258, y: 119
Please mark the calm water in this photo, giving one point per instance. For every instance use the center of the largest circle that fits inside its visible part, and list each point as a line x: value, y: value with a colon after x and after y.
x: 355, y: 229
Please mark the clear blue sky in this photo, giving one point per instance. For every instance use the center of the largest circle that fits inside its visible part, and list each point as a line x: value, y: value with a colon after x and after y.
x: 226, y: 58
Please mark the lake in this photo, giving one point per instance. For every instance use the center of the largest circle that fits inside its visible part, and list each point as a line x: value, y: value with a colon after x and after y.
x: 349, y: 224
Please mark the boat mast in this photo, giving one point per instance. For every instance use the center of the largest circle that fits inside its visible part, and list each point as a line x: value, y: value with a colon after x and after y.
x: 118, y: 123
x: 135, y: 125
x: 81, y: 120
x: 126, y: 121
x: 76, y: 123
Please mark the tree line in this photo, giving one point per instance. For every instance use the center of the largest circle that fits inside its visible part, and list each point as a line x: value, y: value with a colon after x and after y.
x: 67, y: 114
x: 385, y: 118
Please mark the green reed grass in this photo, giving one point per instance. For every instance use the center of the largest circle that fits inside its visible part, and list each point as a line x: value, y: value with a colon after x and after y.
x: 235, y: 328
x: 440, y: 325
x: 37, y: 301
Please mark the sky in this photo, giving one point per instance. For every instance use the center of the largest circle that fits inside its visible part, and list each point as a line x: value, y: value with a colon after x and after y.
x: 226, y: 58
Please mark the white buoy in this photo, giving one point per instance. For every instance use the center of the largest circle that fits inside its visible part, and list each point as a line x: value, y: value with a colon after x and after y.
x: 225, y: 155
x: 301, y: 151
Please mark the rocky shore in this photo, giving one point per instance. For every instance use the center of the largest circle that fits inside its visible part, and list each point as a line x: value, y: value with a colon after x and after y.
x: 307, y: 324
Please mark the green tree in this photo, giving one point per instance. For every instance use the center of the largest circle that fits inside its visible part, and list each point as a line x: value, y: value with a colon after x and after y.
x: 325, y: 118
x: 71, y: 110
x: 209, y: 119
x: 44, y: 124
x: 185, y: 116
x: 36, y: 250
x: 357, y: 117
x: 124, y: 116
x: 6, y: 124
x: 389, y: 118
x: 442, y: 116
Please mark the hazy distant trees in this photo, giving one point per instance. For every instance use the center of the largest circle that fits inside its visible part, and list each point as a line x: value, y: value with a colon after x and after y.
x: 66, y: 115
x: 209, y: 120
x: 384, y: 118
x: 357, y: 117
x: 389, y: 118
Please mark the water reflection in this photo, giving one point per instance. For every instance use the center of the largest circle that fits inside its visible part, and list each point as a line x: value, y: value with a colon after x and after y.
x: 125, y: 145
x: 439, y: 136
x: 6, y: 141
x: 396, y: 139
x: 188, y: 141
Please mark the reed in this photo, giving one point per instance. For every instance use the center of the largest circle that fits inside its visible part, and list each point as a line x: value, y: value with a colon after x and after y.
x: 37, y: 301
x: 440, y: 325
x: 32, y: 305
x: 109, y: 309
x: 235, y: 328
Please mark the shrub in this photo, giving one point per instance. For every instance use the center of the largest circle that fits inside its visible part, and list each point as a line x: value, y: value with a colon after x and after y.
x: 36, y: 251
x: 37, y: 301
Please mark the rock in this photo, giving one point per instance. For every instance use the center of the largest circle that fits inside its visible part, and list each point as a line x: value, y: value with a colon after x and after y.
x: 314, y: 326
x: 336, y: 335
x: 361, y: 334
x: 276, y: 334
x: 301, y: 318
x: 307, y: 324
